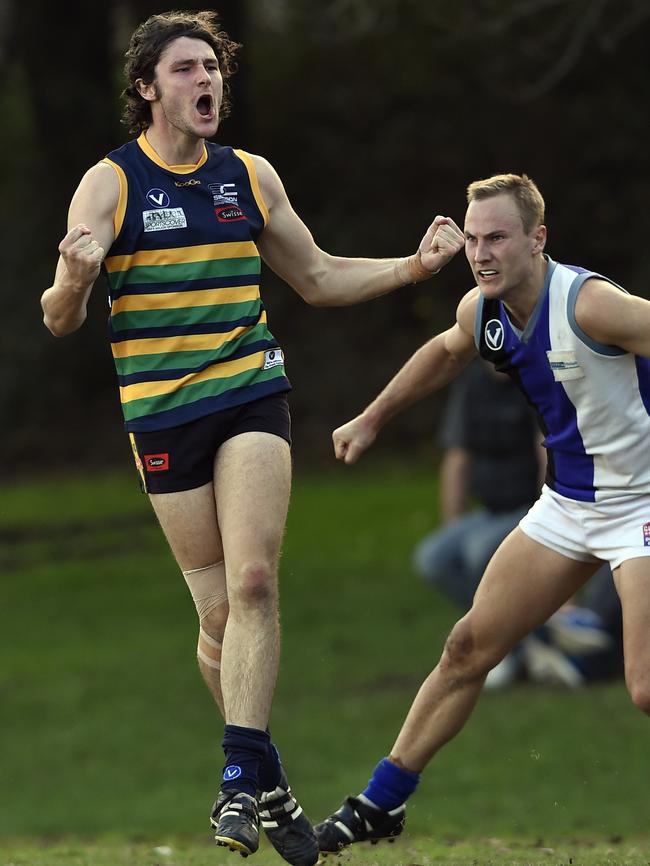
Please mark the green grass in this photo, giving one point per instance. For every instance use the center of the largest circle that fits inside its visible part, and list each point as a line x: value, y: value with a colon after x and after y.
x: 106, y: 728
x: 412, y: 852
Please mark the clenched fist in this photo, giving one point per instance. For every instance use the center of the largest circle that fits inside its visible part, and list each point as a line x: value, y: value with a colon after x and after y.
x: 352, y: 439
x: 441, y: 242
x: 82, y: 256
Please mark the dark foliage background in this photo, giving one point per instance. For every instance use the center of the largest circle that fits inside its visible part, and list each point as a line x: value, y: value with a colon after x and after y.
x: 377, y: 115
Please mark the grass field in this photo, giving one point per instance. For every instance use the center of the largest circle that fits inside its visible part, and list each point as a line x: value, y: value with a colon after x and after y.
x: 411, y: 852
x: 109, y: 746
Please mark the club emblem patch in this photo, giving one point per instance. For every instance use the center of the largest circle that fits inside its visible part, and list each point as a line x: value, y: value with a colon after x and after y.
x: 158, y: 198
x: 494, y: 335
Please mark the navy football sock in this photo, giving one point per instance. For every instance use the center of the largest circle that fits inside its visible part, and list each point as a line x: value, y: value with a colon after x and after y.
x: 245, y: 749
x: 390, y: 785
x: 270, y: 769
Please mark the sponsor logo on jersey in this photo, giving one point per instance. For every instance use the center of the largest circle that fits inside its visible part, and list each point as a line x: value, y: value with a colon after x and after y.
x: 494, y: 335
x: 229, y: 213
x: 273, y: 358
x: 564, y: 365
x: 646, y: 534
x: 226, y: 205
x: 223, y: 193
x: 192, y: 182
x: 158, y: 197
x: 164, y: 219
x: 156, y: 462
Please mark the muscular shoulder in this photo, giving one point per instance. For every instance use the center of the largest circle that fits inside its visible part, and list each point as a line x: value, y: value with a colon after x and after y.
x: 459, y: 339
x: 466, y: 312
x: 269, y: 180
x: 100, y: 185
x: 95, y: 202
x: 598, y: 307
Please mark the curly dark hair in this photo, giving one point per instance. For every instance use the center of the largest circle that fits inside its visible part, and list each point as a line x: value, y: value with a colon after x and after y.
x: 149, y: 41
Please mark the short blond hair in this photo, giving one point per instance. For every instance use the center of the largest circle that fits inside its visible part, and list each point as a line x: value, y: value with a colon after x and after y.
x: 524, y: 191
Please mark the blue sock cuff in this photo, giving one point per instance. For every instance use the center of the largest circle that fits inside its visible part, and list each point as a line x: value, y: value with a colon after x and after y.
x: 270, y: 769
x: 245, y: 749
x: 251, y: 739
x: 390, y: 785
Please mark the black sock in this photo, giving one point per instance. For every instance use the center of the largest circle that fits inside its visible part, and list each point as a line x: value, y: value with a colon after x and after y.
x: 245, y: 749
x: 270, y: 769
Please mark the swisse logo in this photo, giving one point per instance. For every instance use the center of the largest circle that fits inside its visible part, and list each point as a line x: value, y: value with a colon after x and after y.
x: 156, y: 462
x: 229, y: 213
x: 494, y: 335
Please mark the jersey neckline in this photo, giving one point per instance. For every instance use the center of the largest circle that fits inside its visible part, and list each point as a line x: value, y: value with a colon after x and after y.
x: 149, y: 152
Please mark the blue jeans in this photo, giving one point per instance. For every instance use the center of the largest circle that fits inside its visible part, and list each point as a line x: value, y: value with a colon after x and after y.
x: 454, y: 557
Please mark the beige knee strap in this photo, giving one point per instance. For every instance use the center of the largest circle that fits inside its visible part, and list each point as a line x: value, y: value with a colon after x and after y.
x: 208, y: 587
x: 208, y: 650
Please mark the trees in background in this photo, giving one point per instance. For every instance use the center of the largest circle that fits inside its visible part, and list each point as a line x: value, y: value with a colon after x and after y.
x: 377, y: 115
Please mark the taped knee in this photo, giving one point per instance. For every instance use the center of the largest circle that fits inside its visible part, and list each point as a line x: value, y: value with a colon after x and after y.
x: 208, y: 587
x: 208, y: 650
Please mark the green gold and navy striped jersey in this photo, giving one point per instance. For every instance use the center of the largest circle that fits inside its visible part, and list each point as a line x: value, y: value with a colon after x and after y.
x: 187, y: 324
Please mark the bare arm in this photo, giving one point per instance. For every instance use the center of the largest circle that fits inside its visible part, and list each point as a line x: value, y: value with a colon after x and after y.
x: 454, y: 483
x: 614, y: 318
x: 432, y: 367
x: 82, y: 250
x: 287, y: 246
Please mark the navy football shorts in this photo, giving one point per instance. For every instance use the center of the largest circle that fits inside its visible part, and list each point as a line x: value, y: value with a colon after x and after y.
x: 182, y: 457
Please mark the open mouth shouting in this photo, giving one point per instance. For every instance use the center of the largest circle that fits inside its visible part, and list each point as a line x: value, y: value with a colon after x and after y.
x: 206, y: 107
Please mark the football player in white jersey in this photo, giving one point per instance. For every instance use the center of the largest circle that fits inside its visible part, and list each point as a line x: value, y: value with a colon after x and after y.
x: 578, y: 346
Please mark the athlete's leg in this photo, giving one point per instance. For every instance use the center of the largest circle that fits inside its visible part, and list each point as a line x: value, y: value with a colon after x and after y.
x: 525, y: 582
x: 252, y: 483
x: 189, y: 521
x: 252, y: 478
x: 632, y: 579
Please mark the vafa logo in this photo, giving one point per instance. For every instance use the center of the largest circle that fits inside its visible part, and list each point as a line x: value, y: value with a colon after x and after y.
x: 494, y: 334
x: 158, y: 197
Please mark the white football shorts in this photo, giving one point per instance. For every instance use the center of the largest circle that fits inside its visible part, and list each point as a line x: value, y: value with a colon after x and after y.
x: 613, y: 530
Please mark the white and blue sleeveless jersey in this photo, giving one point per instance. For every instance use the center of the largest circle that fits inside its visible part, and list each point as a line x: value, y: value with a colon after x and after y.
x: 592, y: 400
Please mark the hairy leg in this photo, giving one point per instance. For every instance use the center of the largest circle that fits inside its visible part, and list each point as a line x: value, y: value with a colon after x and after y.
x: 252, y: 485
x: 523, y: 585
